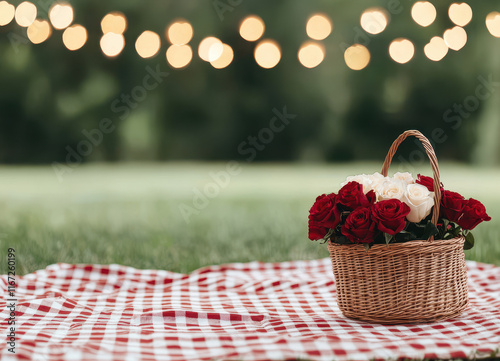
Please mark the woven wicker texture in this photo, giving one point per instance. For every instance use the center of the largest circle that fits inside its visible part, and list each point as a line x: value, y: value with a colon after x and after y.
x: 417, y: 281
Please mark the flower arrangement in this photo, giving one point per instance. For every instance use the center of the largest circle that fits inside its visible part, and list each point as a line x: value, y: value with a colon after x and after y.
x: 373, y: 209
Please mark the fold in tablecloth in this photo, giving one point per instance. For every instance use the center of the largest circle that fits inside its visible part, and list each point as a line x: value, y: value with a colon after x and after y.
x: 252, y: 311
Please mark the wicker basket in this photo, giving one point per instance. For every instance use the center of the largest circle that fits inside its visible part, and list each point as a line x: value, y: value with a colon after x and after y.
x: 416, y: 281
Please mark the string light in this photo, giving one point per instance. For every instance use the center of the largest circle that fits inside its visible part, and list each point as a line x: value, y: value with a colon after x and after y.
x: 75, y: 37
x: 357, y: 57
x: 436, y: 49
x: 179, y: 56
x: 423, y: 13
x: 39, y: 31
x: 148, y: 44
x: 180, y: 32
x: 401, y: 50
x: 252, y: 28
x: 114, y: 22
x: 225, y: 58
x: 318, y: 27
x: 210, y: 49
x: 61, y: 15
x: 7, y: 12
x: 493, y: 23
x: 460, y: 13
x: 112, y: 44
x: 374, y: 20
x: 25, y: 14
x: 311, y: 54
x: 267, y: 54
x: 455, y: 38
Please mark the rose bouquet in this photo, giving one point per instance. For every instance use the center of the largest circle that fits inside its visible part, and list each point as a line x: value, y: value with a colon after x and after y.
x: 373, y: 209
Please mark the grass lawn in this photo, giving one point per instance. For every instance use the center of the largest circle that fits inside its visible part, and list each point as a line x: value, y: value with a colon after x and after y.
x: 130, y: 214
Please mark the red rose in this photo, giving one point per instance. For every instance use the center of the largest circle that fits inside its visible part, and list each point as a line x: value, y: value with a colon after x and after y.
x: 351, y: 195
x: 452, y: 205
x: 473, y: 214
x: 390, y: 215
x: 427, y: 182
x: 359, y: 227
x: 323, y: 215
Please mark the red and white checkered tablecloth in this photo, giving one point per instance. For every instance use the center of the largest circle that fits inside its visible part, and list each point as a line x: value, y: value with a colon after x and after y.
x: 252, y: 311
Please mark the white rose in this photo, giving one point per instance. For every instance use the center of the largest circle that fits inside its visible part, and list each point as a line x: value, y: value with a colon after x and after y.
x: 405, y: 177
x: 420, y: 201
x: 390, y: 189
x: 376, y: 178
x: 362, y: 179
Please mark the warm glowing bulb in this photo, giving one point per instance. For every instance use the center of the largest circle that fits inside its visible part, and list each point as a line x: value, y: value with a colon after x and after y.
x: 460, y: 13
x: 311, y: 54
x: 210, y: 49
x: 39, y: 31
x: 61, y: 15
x: 7, y: 12
x: 148, y: 44
x: 318, y: 27
x: 225, y: 58
x: 74, y: 37
x: 267, y: 54
x: 423, y: 13
x: 455, y: 38
x: 436, y: 49
x: 180, y: 32
x: 114, y: 22
x: 493, y: 23
x: 374, y: 20
x: 25, y: 14
x: 252, y: 28
x: 179, y: 56
x: 401, y: 50
x: 357, y: 57
x: 112, y: 44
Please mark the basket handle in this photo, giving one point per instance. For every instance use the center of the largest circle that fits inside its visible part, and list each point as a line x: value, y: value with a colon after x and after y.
x: 434, y: 164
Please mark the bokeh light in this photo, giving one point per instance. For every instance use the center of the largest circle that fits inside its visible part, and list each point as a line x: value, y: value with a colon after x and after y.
x: 374, y: 20
x: 460, y: 13
x: 148, y: 44
x: 7, y: 12
x: 210, y: 49
x: 74, y: 37
x: 423, y: 13
x: 357, y: 57
x: 493, y: 23
x: 252, y: 28
x: 180, y: 32
x: 436, y: 49
x: 311, y: 54
x: 179, y: 56
x: 267, y: 54
x: 319, y: 26
x: 455, y: 38
x: 112, y: 44
x: 39, y: 31
x: 25, y: 14
x: 401, y: 50
x: 225, y: 58
x: 114, y: 22
x: 61, y: 15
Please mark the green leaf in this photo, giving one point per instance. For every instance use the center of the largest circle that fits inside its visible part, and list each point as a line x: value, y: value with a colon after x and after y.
x: 469, y: 241
x: 388, y: 238
x: 405, y: 236
x: 367, y: 246
x: 429, y: 230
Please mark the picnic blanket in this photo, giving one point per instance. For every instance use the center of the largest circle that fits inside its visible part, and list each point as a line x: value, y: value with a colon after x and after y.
x: 251, y: 311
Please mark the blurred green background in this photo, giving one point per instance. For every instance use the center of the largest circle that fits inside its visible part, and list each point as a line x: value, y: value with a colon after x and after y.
x: 122, y: 202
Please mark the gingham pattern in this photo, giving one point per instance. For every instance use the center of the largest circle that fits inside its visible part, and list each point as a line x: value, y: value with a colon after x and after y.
x: 253, y: 311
